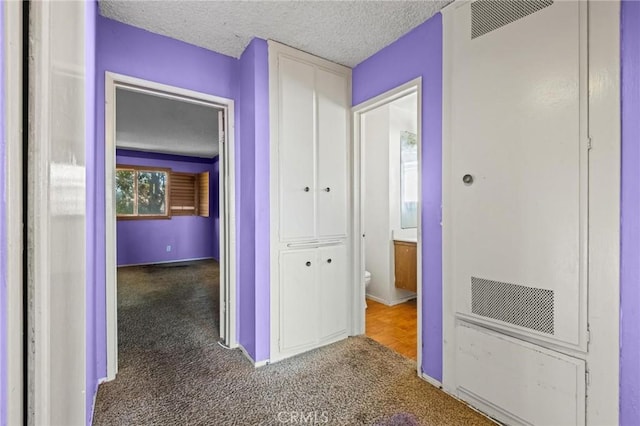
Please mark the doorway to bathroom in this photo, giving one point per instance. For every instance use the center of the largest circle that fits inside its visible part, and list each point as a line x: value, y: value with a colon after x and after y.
x: 387, y: 156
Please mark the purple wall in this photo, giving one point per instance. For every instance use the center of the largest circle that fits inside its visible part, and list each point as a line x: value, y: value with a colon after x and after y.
x: 92, y: 374
x: 190, y: 237
x: 630, y: 217
x: 252, y: 175
x: 3, y: 236
x: 127, y: 50
x: 420, y: 53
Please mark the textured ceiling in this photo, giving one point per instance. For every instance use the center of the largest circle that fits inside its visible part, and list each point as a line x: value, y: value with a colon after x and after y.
x: 346, y: 32
x: 152, y: 123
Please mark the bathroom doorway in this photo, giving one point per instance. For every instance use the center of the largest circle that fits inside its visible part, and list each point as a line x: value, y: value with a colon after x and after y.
x: 388, y: 163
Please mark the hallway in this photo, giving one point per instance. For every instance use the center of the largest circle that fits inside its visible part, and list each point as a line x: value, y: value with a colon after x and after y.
x: 172, y: 371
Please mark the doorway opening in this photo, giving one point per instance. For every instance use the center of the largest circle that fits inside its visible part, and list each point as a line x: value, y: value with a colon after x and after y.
x: 387, y: 194
x: 169, y: 185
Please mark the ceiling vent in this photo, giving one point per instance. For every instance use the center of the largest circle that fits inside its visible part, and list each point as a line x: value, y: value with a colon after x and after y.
x: 489, y: 15
x: 523, y: 306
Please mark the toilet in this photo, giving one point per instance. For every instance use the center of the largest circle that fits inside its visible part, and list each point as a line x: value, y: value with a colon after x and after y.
x: 367, y: 281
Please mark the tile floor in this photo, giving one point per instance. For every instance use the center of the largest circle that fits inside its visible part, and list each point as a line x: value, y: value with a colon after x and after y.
x: 394, y: 326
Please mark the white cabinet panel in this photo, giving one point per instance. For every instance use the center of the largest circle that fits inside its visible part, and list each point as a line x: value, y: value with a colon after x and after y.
x: 517, y: 229
x: 531, y: 385
x: 333, y: 107
x: 296, y: 126
x: 332, y: 286
x: 298, y: 299
x: 310, y: 178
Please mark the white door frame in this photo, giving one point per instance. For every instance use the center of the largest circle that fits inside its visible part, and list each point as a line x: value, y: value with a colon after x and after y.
x: 358, y: 309
x: 12, y: 50
x: 226, y: 185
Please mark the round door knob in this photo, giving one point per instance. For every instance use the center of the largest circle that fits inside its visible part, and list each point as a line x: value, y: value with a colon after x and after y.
x: 306, y: 189
x: 327, y: 189
x: 467, y: 179
x: 328, y: 260
x: 308, y: 264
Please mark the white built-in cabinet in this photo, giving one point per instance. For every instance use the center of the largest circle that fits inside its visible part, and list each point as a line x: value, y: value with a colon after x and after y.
x: 310, y: 205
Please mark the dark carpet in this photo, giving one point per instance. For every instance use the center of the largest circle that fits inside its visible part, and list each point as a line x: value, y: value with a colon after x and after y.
x: 173, y: 372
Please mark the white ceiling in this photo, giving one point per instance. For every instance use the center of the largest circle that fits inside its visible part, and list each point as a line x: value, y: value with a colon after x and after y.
x: 346, y: 32
x: 151, y: 123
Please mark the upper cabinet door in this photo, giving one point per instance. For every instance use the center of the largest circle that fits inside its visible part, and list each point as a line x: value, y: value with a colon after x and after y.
x: 332, y: 91
x: 296, y: 129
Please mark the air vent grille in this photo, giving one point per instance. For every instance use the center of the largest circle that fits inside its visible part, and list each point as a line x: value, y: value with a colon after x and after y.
x: 489, y: 15
x: 527, y: 307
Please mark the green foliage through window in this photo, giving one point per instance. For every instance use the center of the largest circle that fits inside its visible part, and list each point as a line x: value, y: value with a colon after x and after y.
x: 141, y: 192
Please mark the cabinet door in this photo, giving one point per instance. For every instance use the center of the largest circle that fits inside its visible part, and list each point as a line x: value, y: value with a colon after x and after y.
x: 406, y: 267
x: 333, y: 115
x: 333, y: 290
x: 298, y: 300
x: 296, y: 129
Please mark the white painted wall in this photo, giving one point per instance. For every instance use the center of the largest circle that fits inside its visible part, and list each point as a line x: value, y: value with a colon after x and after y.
x: 375, y: 128
x: 381, y: 152
x: 403, y: 116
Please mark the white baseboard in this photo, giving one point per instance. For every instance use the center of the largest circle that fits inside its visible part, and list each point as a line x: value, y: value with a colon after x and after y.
x: 431, y: 381
x: 255, y: 364
x: 193, y: 259
x: 438, y: 384
x: 392, y: 302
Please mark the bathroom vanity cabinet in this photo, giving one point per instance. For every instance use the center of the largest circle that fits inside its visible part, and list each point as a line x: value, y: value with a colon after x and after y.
x: 406, y: 268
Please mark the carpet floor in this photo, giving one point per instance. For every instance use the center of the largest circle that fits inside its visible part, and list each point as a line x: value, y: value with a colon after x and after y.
x: 173, y: 372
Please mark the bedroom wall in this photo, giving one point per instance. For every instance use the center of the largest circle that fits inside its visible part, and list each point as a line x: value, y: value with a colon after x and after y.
x: 420, y: 54
x: 134, y: 52
x: 189, y: 237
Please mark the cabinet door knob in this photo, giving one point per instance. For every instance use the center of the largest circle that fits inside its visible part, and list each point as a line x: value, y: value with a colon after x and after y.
x: 306, y: 189
x: 308, y: 263
x: 327, y: 189
x: 328, y: 260
x: 467, y: 179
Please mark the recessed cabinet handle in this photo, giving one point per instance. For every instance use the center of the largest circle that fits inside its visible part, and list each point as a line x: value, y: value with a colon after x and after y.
x: 327, y: 189
x: 328, y: 260
x: 308, y: 263
x: 306, y: 189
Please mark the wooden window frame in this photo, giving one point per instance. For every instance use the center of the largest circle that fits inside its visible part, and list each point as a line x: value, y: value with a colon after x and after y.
x: 167, y: 192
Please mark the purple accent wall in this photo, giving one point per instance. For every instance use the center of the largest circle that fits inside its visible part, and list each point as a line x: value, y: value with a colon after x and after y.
x: 92, y: 374
x: 131, y: 51
x: 3, y: 236
x: 127, y: 50
x: 190, y: 237
x: 252, y: 177
x: 420, y: 53
x: 630, y: 217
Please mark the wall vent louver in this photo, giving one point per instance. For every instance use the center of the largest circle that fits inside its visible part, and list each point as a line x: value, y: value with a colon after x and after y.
x: 489, y: 15
x: 527, y: 307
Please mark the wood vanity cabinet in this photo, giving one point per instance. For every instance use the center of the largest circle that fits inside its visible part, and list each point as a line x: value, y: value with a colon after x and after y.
x: 406, y: 267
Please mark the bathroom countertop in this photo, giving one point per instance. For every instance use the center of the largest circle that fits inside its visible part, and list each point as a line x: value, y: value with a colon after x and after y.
x: 406, y: 239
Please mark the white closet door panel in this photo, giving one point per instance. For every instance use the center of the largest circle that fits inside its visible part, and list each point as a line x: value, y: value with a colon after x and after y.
x: 297, y: 150
x: 298, y: 300
x: 516, y: 108
x: 531, y: 385
x: 333, y: 108
x: 333, y: 289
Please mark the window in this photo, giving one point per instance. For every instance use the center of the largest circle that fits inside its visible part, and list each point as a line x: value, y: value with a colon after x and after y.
x: 141, y: 192
x: 190, y: 194
x: 408, y: 180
